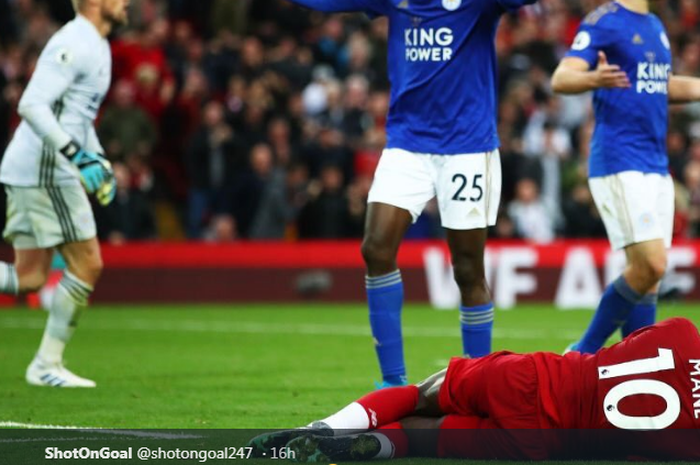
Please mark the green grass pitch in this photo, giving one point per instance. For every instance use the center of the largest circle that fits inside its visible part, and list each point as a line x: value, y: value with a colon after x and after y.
x: 241, y: 366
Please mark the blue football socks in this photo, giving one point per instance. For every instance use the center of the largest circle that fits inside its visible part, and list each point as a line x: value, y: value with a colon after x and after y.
x: 477, y: 328
x: 385, y: 299
x: 643, y: 315
x: 615, y: 307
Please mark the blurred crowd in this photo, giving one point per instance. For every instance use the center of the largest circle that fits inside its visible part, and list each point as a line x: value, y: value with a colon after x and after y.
x: 242, y: 119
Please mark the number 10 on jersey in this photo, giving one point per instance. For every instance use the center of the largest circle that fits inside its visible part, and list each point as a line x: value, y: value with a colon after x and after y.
x: 663, y: 362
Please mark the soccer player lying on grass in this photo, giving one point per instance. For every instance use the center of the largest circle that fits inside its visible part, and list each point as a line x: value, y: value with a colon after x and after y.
x: 649, y: 382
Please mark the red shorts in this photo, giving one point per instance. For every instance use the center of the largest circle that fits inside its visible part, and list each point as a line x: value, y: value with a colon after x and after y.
x: 494, y: 410
x: 502, y: 387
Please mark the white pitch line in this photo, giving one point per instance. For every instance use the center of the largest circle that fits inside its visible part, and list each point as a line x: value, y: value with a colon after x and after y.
x: 107, y: 431
x: 230, y: 327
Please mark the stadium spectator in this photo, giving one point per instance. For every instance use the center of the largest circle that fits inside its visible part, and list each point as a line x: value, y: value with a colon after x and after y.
x: 212, y: 161
x: 259, y: 183
x: 275, y: 209
x: 580, y: 214
x: 125, y: 128
x: 529, y: 213
x: 327, y: 214
x: 222, y: 229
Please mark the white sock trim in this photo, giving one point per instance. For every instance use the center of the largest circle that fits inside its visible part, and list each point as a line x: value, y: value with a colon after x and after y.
x: 9, y: 282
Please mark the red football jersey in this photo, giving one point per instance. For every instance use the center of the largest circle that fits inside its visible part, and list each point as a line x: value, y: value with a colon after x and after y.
x: 639, y: 398
x: 649, y: 382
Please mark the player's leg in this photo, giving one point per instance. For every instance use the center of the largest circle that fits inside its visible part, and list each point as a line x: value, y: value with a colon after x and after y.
x: 31, y: 270
x: 386, y: 406
x: 502, y: 389
x: 469, y: 189
x: 67, y: 223
x: 627, y: 203
x: 646, y: 264
x: 375, y: 410
x: 384, y: 229
x: 46, y: 293
x: 633, y: 292
x: 644, y: 314
x: 402, y: 186
x: 477, y: 309
x: 32, y: 260
x: 412, y: 436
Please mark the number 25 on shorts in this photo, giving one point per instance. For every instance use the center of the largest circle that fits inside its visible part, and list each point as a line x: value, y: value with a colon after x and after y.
x: 461, y: 183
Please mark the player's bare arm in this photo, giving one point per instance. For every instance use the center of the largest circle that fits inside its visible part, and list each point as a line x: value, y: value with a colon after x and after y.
x: 574, y: 76
x: 683, y: 89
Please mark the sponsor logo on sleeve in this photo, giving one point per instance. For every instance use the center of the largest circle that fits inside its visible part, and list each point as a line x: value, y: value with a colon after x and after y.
x: 451, y: 5
x: 582, y: 41
x: 665, y: 41
x: 64, y: 56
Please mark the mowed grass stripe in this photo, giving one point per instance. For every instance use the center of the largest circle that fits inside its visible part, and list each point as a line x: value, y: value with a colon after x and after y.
x: 286, y: 329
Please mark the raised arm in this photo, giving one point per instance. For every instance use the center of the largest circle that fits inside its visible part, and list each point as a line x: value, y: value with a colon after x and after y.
x: 683, y: 89
x: 56, y: 70
x: 574, y: 76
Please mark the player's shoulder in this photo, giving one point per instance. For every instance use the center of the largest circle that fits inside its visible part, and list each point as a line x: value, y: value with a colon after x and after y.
x: 680, y: 323
x: 604, y: 15
x: 69, y: 43
x: 657, y: 22
x: 675, y: 330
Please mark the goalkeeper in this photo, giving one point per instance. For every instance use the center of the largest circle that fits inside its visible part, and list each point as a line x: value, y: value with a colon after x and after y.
x: 53, y: 161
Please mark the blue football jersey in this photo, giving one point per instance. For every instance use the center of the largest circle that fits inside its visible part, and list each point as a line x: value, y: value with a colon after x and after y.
x: 442, y: 69
x: 631, y: 124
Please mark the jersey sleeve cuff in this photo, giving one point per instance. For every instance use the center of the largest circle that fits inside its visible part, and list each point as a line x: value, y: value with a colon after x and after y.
x: 58, y: 139
x: 591, y: 59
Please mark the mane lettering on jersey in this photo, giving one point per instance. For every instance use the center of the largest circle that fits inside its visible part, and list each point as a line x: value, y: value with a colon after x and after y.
x: 695, y: 380
x: 428, y: 44
x: 595, y: 15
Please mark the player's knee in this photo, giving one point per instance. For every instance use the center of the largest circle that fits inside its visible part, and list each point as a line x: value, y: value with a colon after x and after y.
x: 31, y: 280
x: 652, y: 269
x: 468, y: 273
x: 95, y: 267
x: 377, y: 254
x: 657, y: 268
x: 89, y: 269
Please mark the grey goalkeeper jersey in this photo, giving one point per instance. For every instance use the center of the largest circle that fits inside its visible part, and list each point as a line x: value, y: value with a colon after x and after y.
x: 60, y: 103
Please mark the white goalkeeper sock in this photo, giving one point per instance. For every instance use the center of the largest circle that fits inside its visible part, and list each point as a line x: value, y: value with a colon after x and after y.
x: 70, y: 298
x: 9, y: 283
x: 351, y: 418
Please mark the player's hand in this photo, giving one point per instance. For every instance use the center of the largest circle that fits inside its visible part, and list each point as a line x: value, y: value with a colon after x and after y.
x: 94, y: 168
x: 108, y: 190
x: 609, y: 76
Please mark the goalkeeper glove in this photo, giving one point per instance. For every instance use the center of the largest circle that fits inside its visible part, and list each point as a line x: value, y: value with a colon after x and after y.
x: 108, y: 190
x: 95, y: 170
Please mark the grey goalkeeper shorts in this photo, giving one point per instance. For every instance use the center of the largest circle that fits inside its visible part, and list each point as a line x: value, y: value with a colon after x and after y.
x: 44, y: 217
